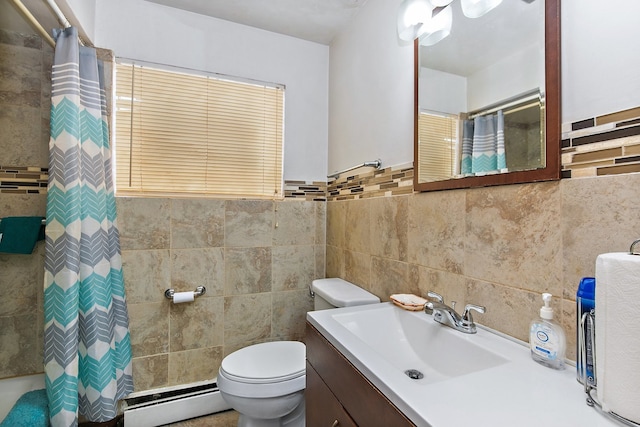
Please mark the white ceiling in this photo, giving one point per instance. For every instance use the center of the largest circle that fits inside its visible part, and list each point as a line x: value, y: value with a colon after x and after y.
x: 314, y: 20
x: 474, y: 43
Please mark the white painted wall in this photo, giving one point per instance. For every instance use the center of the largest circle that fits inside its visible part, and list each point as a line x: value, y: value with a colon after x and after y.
x: 371, y: 91
x: 371, y: 108
x: 442, y: 92
x: 84, y: 12
x: 600, y: 61
x: 150, y: 32
x: 516, y: 74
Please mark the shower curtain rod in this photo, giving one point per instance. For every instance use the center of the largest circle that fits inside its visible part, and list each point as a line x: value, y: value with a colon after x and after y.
x: 34, y: 22
x: 513, y: 102
x: 38, y: 27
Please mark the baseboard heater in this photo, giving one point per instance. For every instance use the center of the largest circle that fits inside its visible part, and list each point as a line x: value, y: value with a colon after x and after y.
x: 172, y: 404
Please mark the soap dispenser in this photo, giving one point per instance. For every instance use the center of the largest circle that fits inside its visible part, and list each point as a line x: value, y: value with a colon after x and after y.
x: 546, y: 338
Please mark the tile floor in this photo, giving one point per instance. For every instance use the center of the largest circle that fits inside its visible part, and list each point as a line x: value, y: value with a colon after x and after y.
x: 222, y: 419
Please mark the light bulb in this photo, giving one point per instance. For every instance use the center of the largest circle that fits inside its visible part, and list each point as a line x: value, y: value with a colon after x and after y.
x: 437, y: 28
x: 412, y: 17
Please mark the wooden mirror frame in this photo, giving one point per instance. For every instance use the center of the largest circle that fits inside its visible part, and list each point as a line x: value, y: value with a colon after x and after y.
x: 551, y: 171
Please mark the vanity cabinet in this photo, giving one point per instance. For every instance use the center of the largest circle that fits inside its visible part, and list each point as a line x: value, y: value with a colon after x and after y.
x: 337, y: 394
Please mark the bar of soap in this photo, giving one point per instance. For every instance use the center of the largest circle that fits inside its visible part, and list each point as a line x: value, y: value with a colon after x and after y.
x: 408, y: 301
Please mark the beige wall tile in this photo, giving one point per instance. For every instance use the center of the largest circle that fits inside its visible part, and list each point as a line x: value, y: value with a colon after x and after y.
x: 599, y: 215
x: 197, y: 324
x: 22, y: 281
x: 508, y: 309
x: 19, y: 337
x: 144, y: 222
x: 569, y: 323
x: 388, y: 277
x: 335, y: 262
x: 147, y: 274
x: 23, y: 204
x: 194, y: 365
x: 513, y: 230
x: 436, y: 230
x: 191, y: 268
x: 247, y: 318
x: 293, y: 267
x: 247, y: 270
x: 336, y: 217
x: 197, y: 223
x: 249, y: 223
x: 357, y: 268
x: 150, y: 372
x: 296, y: 223
x: 149, y: 328
x: 357, y: 226
x: 321, y: 259
x: 289, y: 314
x: 452, y: 286
x: 389, y: 227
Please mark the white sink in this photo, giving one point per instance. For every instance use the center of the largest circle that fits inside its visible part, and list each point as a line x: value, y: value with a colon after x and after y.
x: 482, y: 379
x: 419, y: 343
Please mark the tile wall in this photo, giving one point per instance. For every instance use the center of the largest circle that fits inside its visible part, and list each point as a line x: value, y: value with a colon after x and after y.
x: 256, y: 259
x: 25, y: 87
x: 500, y: 247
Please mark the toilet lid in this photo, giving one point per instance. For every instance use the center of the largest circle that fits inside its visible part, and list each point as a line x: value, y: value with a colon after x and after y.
x: 266, y: 362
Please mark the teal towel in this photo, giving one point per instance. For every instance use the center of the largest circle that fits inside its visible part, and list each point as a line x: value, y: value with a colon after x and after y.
x: 31, y: 410
x: 19, y: 234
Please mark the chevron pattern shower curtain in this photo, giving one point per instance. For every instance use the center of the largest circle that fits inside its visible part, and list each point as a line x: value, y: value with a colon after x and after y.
x: 87, y: 347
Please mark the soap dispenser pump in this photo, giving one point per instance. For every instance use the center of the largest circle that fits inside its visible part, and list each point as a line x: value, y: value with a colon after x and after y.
x: 547, y: 338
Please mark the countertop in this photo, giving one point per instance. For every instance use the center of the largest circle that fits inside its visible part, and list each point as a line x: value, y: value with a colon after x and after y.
x: 519, y: 393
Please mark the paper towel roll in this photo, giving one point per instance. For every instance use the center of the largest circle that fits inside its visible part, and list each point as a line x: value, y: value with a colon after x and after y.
x: 617, y: 340
x: 179, y: 297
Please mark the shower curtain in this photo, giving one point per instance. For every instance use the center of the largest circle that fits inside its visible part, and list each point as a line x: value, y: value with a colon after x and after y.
x: 87, y: 351
x: 483, y: 148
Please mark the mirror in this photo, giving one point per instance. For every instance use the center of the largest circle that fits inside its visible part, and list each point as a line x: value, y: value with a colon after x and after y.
x: 487, y: 99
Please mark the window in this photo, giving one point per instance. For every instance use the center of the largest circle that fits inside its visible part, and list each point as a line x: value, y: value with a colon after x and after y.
x: 437, y: 146
x: 179, y: 133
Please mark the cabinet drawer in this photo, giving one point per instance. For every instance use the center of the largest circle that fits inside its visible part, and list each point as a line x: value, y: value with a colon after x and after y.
x: 364, y: 403
x: 322, y: 407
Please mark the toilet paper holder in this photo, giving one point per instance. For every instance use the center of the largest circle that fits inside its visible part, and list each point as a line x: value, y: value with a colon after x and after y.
x: 200, y: 290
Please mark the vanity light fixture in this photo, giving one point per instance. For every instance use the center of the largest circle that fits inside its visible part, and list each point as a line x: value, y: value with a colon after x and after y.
x: 431, y: 20
x: 477, y: 8
x: 413, y: 15
x: 438, y: 27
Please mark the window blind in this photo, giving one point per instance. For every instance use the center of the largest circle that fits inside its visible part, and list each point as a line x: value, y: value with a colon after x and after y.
x: 178, y: 133
x: 437, y: 146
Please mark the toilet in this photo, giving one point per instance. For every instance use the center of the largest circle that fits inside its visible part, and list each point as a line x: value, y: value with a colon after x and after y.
x: 265, y: 382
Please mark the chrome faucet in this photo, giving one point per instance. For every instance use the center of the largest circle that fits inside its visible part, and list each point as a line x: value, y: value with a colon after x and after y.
x: 448, y: 316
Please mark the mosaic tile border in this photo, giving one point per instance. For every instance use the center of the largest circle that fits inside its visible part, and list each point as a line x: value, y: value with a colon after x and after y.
x: 603, y: 145
x: 23, y: 180
x: 303, y: 190
x: 391, y: 181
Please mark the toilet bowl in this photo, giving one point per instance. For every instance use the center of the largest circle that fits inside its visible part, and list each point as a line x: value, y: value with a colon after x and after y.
x: 265, y: 382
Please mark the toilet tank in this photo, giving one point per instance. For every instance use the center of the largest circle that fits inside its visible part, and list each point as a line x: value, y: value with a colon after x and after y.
x: 335, y: 292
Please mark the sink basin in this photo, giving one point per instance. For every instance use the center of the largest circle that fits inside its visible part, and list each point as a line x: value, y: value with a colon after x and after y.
x: 420, y: 345
x: 482, y: 379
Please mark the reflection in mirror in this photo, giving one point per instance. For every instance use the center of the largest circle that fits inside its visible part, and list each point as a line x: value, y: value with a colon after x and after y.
x: 483, y: 99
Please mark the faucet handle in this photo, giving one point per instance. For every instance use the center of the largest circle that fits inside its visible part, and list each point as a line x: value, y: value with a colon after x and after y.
x: 467, y: 311
x: 435, y: 296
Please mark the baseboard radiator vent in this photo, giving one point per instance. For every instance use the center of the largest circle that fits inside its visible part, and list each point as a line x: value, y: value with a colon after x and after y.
x: 154, y: 408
